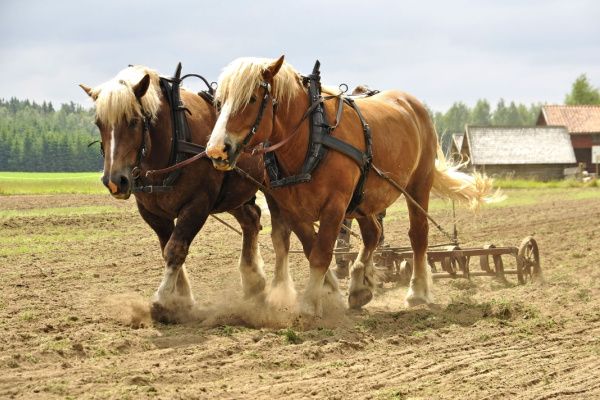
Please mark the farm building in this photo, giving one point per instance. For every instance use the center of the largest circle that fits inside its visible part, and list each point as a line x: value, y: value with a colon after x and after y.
x: 537, y: 152
x: 583, y: 124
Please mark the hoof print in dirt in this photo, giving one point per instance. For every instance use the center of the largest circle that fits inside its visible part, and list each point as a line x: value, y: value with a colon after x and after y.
x: 416, y: 301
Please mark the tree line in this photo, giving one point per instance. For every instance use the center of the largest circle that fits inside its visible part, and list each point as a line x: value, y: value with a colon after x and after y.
x: 459, y: 115
x: 37, y: 137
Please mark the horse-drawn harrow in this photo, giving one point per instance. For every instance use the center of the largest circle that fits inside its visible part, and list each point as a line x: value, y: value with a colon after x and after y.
x: 394, y: 264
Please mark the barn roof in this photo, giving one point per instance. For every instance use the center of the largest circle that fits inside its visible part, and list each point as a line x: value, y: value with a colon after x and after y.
x: 506, y: 145
x: 577, y: 119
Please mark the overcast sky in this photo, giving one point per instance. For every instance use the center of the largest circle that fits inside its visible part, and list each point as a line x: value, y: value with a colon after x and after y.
x: 440, y: 51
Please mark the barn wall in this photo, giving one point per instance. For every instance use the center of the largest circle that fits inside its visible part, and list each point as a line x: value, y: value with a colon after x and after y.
x: 543, y: 172
x: 582, y: 144
x: 581, y: 141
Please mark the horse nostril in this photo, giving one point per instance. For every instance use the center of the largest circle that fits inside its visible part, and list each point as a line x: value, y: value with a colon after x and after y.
x: 105, y: 180
x: 124, y: 183
x: 226, y: 148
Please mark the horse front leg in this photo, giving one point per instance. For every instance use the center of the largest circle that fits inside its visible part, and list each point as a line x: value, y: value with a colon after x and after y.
x: 282, y: 293
x: 251, y: 263
x: 321, y: 253
x: 362, y: 276
x: 173, y: 299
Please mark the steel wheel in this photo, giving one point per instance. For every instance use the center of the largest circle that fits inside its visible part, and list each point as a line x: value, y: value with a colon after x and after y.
x: 528, y: 261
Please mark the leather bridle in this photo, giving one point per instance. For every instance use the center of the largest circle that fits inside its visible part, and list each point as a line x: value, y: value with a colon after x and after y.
x: 143, y: 151
x: 261, y: 111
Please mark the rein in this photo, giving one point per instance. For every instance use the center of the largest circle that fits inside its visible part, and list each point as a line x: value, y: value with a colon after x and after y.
x: 152, y: 172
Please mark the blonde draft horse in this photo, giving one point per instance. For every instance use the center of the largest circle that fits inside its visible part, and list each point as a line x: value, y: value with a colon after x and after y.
x: 122, y: 104
x: 404, y: 146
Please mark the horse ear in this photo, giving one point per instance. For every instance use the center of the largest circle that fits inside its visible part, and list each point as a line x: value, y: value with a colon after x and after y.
x: 89, y: 91
x: 141, y: 87
x: 272, y: 69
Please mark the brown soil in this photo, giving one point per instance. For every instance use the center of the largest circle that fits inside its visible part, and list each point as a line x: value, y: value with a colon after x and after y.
x: 74, y: 320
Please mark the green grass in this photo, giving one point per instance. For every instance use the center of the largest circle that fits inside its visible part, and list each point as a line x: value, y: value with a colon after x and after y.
x: 53, y: 239
x: 50, y: 183
x: 532, y: 184
x: 290, y: 336
x: 89, y: 183
x: 60, y: 211
x: 514, y: 198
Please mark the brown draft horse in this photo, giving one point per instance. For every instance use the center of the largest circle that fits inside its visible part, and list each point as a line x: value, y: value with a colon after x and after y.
x: 404, y: 146
x: 122, y: 103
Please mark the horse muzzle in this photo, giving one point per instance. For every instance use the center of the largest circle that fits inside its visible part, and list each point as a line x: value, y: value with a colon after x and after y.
x: 224, y: 155
x: 222, y: 165
x: 119, y: 185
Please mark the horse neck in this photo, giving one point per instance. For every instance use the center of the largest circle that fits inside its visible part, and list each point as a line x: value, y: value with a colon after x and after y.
x: 291, y: 155
x: 200, y: 124
x: 160, y: 138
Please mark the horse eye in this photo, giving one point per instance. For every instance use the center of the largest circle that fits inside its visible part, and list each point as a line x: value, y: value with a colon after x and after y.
x: 252, y: 99
x: 133, y: 123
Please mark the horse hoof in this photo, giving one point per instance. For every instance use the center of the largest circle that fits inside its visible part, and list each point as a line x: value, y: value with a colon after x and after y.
x: 253, y: 289
x: 359, y: 298
x: 414, y: 301
x: 163, y: 315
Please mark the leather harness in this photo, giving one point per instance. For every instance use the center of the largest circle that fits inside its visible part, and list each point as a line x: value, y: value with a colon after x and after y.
x: 181, y: 145
x: 320, y: 140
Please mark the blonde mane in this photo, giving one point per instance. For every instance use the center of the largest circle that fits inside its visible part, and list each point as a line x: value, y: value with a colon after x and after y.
x: 242, y: 76
x: 116, y: 102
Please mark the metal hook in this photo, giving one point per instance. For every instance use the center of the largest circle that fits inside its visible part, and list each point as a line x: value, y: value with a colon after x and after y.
x: 343, y: 88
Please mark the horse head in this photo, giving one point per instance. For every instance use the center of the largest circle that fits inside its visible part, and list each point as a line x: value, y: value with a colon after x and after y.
x: 247, y: 92
x: 125, y: 107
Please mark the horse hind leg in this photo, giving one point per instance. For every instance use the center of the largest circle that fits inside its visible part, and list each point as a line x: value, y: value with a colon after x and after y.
x: 419, y: 291
x: 251, y: 264
x: 362, y: 274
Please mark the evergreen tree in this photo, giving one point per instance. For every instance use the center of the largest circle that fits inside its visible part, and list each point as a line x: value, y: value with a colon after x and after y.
x: 481, y: 113
x: 457, y: 117
x: 35, y: 137
x: 500, y: 116
x: 582, y: 92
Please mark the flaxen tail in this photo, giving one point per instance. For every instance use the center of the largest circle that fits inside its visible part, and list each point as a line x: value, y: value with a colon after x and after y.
x: 473, y: 189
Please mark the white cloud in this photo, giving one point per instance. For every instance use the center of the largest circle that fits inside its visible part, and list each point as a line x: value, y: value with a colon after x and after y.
x: 440, y: 51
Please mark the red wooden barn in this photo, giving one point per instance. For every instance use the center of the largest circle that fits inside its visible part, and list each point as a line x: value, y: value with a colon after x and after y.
x: 583, y: 124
